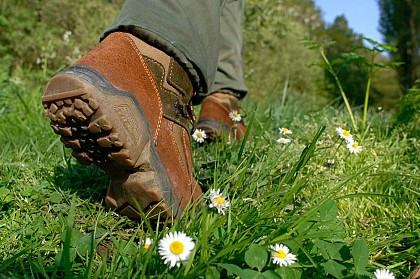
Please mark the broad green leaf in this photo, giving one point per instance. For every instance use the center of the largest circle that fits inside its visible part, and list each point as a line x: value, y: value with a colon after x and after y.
x: 328, y: 211
x: 231, y: 268
x: 322, y: 248
x: 242, y: 273
x: 39, y: 224
x: 283, y: 273
x: 338, y: 251
x: 212, y: 273
x: 335, y: 269
x: 360, y: 253
x: 83, y: 244
x: 272, y: 274
x: 55, y: 197
x: 5, y: 196
x: 333, y: 251
x: 4, y: 192
x: 251, y: 274
x: 256, y: 256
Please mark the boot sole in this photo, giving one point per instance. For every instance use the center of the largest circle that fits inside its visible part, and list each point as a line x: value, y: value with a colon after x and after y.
x: 105, y: 126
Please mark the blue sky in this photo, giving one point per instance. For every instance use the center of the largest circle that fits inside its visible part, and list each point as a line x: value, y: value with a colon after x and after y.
x: 362, y: 15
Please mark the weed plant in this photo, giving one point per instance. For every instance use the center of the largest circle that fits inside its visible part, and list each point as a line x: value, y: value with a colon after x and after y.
x: 347, y: 59
x: 342, y: 215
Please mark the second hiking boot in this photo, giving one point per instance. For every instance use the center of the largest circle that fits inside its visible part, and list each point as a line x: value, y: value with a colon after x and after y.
x: 217, y: 117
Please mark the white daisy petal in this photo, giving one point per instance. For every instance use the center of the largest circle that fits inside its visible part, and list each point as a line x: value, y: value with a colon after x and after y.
x: 383, y: 274
x: 235, y: 116
x: 284, y: 140
x: 199, y: 135
x: 281, y: 255
x: 285, y: 131
x: 354, y: 147
x: 147, y: 243
x: 175, y: 248
x: 344, y: 134
x: 218, y: 201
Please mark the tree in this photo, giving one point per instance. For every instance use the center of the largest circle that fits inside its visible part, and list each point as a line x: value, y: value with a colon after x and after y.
x: 400, y: 24
x: 353, y: 76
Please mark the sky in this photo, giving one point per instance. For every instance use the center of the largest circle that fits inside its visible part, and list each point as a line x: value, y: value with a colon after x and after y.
x: 362, y: 15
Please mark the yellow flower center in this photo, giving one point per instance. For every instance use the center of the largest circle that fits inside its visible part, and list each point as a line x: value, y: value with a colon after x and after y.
x: 235, y: 114
x: 176, y: 247
x: 220, y: 200
x: 199, y: 135
x: 346, y: 133
x: 146, y: 246
x: 285, y: 130
x: 280, y: 254
x: 355, y: 145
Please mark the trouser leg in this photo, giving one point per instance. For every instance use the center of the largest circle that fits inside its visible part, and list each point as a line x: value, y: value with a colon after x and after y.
x: 229, y: 75
x: 188, y: 30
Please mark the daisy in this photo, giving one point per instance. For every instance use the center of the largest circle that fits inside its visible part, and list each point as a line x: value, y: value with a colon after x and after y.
x: 283, y: 140
x: 281, y: 255
x: 384, y: 274
x: 199, y: 135
x: 285, y: 131
x: 147, y: 243
x: 344, y: 134
x: 175, y: 248
x: 354, y: 147
x: 235, y: 116
x: 218, y: 201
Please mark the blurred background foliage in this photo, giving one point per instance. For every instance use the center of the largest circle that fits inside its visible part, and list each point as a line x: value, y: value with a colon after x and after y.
x: 37, y: 34
x: 399, y: 24
x: 49, y: 35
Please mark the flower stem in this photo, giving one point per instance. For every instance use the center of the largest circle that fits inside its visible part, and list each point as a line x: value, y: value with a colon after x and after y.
x: 340, y: 88
x: 368, y: 85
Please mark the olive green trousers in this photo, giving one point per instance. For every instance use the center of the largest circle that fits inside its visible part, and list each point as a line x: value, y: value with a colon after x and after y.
x: 204, y: 36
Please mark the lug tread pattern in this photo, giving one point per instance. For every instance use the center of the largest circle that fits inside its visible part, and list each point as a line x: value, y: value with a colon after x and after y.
x: 86, y: 130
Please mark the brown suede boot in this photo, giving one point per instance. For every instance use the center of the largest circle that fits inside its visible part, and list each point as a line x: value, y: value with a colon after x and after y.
x: 125, y: 107
x: 215, y: 119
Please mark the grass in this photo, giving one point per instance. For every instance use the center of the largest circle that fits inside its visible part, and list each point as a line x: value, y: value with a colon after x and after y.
x: 341, y: 220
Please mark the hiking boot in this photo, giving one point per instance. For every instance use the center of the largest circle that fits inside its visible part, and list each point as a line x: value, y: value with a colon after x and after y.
x: 217, y: 117
x: 125, y: 107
